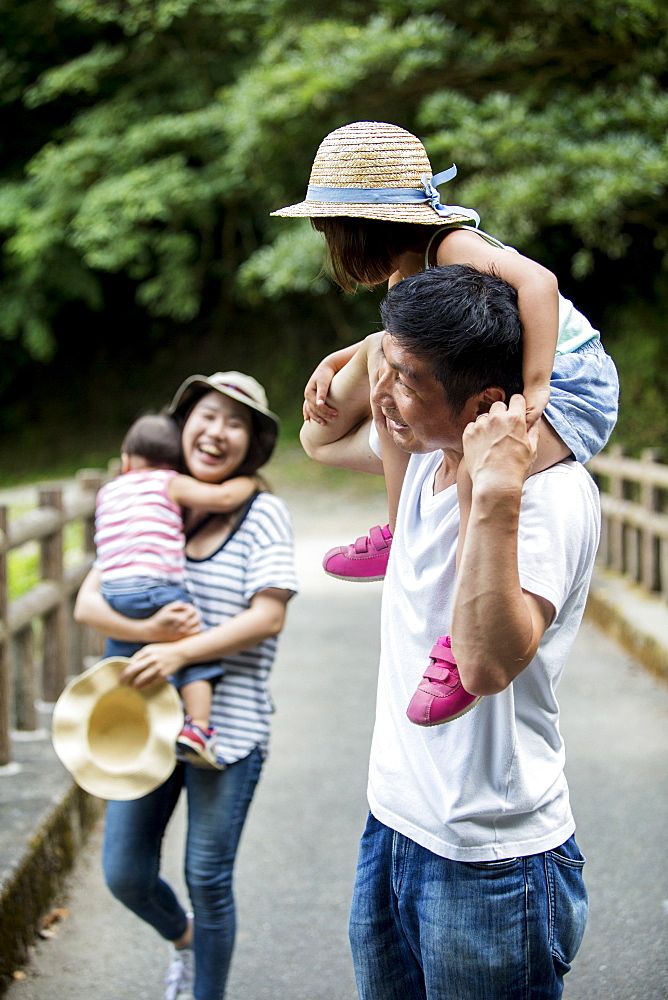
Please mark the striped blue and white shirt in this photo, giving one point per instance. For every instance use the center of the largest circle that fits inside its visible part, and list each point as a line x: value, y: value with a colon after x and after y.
x: 256, y: 556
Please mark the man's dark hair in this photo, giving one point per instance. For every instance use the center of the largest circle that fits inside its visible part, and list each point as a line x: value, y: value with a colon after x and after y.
x: 464, y: 324
x: 155, y: 438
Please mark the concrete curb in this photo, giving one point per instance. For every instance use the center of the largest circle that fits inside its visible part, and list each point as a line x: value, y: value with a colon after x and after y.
x: 45, y: 823
x: 638, y: 621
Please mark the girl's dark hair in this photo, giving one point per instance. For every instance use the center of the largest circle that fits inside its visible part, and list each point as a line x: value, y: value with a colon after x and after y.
x: 464, y: 324
x: 364, y: 251
x: 156, y: 438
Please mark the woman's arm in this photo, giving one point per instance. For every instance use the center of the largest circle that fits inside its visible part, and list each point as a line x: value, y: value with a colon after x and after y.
x: 263, y: 619
x: 172, y: 622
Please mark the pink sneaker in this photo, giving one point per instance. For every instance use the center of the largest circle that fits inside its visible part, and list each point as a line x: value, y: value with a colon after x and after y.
x: 440, y: 696
x: 364, y: 560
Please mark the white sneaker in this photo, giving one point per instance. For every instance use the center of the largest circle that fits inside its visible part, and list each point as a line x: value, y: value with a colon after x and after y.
x: 180, y: 976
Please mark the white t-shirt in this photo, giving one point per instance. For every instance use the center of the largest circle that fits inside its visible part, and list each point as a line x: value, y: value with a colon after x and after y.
x: 489, y: 785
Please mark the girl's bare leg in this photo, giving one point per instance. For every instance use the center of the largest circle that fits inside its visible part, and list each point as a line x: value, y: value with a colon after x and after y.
x: 196, y: 698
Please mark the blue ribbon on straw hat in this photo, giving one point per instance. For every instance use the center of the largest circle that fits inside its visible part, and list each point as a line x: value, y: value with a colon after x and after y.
x: 394, y: 196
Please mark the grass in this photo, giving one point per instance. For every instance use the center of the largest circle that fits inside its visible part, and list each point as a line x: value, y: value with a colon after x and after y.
x: 23, y: 563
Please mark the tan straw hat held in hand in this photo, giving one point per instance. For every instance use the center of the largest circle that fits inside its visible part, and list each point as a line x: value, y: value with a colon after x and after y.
x: 373, y: 170
x: 116, y: 741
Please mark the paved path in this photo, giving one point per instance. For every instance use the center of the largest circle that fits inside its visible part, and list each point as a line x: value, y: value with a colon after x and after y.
x: 297, y: 858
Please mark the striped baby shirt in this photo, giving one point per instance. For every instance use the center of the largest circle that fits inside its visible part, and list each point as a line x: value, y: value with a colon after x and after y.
x: 138, y: 529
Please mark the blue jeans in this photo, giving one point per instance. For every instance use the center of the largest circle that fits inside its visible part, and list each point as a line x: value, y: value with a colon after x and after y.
x: 136, y: 598
x: 584, y: 399
x: 218, y: 802
x: 425, y: 928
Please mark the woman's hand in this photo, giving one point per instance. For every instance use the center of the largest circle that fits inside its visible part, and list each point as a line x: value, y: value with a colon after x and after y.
x: 172, y: 622
x: 152, y: 663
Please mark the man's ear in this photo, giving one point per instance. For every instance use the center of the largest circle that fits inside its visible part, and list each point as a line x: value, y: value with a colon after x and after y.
x: 493, y: 394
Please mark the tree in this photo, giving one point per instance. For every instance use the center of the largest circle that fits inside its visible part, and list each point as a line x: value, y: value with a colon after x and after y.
x: 148, y: 140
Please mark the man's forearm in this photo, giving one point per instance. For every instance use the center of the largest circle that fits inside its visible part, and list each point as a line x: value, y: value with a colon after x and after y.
x: 493, y: 630
x: 496, y: 626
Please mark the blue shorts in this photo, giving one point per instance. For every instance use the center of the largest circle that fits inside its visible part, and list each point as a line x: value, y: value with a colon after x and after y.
x: 141, y: 598
x: 584, y: 399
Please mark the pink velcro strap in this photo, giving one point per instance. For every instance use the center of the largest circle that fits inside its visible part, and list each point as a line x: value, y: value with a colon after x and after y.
x: 378, y: 539
x: 436, y: 673
x: 362, y: 544
x: 443, y: 653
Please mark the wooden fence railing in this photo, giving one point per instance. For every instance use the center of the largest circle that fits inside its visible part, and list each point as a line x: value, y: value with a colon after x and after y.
x: 40, y: 643
x: 634, y: 507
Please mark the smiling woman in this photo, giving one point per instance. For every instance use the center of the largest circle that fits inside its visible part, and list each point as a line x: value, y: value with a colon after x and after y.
x: 216, y: 437
x: 239, y: 572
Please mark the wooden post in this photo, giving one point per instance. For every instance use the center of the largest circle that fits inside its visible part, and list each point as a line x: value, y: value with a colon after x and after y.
x: 5, y: 691
x: 650, y: 544
x: 76, y: 652
x: 25, y: 686
x: 56, y: 623
x: 616, y: 523
x: 90, y: 481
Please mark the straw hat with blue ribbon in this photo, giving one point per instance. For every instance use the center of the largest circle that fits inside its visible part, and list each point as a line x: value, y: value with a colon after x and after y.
x: 373, y: 170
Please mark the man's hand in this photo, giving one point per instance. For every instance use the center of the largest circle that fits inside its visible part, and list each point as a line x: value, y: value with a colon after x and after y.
x: 375, y: 357
x: 499, y: 449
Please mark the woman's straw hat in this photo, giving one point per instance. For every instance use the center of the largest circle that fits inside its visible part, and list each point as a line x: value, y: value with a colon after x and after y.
x: 373, y: 170
x: 116, y: 741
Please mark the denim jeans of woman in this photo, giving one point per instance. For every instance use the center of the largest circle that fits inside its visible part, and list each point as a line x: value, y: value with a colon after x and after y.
x: 426, y: 928
x: 217, y: 803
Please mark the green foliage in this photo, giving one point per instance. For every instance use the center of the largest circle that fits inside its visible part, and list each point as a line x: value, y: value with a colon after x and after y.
x: 289, y: 262
x: 145, y: 143
x: 23, y: 563
x: 582, y: 162
x: 22, y: 571
x: 641, y: 354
